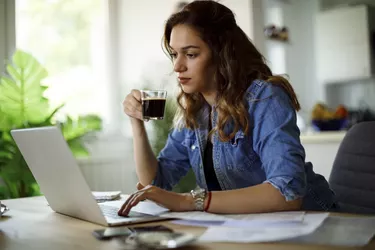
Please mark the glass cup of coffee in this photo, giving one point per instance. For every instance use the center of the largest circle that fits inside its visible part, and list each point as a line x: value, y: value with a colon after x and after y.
x: 153, y: 104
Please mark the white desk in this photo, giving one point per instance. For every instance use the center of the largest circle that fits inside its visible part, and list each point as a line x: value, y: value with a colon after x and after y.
x: 31, y: 224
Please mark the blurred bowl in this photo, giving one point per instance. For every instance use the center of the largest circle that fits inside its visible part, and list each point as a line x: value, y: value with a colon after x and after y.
x: 329, y: 125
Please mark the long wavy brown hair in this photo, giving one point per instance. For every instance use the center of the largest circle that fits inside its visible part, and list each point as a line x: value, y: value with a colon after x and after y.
x: 236, y: 61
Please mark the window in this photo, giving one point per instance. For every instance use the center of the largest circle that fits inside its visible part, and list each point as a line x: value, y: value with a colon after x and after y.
x: 69, y: 39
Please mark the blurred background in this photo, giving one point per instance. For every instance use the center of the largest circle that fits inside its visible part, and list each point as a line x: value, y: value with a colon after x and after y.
x: 96, y: 51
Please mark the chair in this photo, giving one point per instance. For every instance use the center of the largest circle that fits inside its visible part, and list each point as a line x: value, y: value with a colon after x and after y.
x: 353, y: 173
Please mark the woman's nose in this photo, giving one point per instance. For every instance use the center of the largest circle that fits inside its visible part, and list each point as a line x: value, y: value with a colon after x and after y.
x: 179, y: 65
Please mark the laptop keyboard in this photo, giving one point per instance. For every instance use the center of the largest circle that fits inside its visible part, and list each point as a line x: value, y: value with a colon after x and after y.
x: 111, y: 212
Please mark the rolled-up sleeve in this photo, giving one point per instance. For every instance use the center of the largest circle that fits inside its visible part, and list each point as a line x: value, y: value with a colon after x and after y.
x: 276, y: 141
x: 173, y: 161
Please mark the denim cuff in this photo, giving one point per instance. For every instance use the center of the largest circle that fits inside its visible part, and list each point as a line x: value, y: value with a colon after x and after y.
x: 284, y: 185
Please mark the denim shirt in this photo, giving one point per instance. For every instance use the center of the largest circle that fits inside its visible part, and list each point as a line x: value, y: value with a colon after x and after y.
x: 270, y: 153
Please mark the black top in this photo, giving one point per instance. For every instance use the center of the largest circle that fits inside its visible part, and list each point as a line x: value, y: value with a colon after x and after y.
x: 209, y: 171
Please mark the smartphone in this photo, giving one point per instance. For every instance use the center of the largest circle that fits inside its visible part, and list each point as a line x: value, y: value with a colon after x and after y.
x: 108, y: 233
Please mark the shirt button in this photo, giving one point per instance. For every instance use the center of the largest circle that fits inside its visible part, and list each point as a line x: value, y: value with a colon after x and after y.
x: 193, y: 147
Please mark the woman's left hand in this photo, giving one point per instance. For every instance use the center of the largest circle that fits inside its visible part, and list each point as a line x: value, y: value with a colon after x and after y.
x: 173, y: 201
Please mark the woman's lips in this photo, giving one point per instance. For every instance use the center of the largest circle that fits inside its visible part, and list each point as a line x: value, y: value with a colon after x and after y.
x: 183, y: 80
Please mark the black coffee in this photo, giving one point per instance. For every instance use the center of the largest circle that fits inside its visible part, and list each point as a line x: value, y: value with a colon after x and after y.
x: 153, y: 108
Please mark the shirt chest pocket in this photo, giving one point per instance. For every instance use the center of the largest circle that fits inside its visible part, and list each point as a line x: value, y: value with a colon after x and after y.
x: 192, y: 147
x: 239, y: 154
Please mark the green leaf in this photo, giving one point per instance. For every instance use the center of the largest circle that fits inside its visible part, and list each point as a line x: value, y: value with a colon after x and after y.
x: 13, y: 72
x: 48, y: 119
x: 187, y: 183
x: 21, y: 94
x: 5, y: 121
x: 35, y: 189
x: 4, y: 154
x: 73, y: 129
x: 78, y: 149
x: 12, y: 90
x: 4, y: 192
x: 7, y: 137
x: 17, y: 177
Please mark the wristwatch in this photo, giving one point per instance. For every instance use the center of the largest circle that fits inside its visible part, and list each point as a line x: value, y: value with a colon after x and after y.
x: 199, y: 196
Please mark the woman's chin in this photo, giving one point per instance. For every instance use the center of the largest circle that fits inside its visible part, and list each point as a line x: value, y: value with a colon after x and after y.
x: 188, y: 89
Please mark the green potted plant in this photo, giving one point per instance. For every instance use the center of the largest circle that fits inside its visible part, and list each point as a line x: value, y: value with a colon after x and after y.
x: 23, y: 105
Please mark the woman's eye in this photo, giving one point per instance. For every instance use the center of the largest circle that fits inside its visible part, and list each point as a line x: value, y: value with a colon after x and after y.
x: 191, y: 55
x: 173, y: 55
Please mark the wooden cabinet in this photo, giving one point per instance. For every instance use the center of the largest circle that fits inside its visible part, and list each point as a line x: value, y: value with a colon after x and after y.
x: 344, y: 46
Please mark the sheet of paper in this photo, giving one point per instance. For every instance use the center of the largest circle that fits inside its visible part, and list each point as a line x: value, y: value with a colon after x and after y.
x: 145, y: 207
x: 197, y: 223
x: 195, y: 216
x: 258, y: 224
x: 263, y: 217
x: 239, y: 223
x: 341, y: 231
x: 233, y: 233
x: 296, y: 216
x: 274, y: 220
x: 99, y: 195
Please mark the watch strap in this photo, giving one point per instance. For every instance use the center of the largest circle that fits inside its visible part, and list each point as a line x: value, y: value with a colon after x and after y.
x: 199, y: 196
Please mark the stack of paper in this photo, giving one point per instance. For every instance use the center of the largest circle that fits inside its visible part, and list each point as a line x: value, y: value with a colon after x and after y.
x: 106, y: 196
x: 248, y: 231
x: 264, y: 227
x: 195, y: 216
x: 263, y: 218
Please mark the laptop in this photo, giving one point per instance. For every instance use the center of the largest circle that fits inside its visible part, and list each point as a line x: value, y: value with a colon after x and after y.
x: 60, y: 179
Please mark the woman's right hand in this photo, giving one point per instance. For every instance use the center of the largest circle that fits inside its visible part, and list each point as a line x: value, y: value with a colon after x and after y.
x: 132, y: 105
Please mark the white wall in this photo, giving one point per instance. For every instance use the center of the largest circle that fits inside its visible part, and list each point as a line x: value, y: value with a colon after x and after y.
x: 2, y: 35
x: 301, y: 56
x: 296, y: 58
x: 7, y: 31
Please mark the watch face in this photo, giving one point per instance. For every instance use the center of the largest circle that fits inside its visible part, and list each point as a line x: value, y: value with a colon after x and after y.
x: 199, y: 193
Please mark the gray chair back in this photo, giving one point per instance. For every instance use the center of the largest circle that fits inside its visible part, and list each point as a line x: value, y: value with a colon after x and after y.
x: 353, y: 173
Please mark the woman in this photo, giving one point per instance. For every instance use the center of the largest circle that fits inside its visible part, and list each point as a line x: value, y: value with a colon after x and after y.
x: 236, y: 126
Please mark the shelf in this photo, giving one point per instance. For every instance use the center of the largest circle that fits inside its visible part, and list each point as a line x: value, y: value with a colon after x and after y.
x: 278, y: 40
